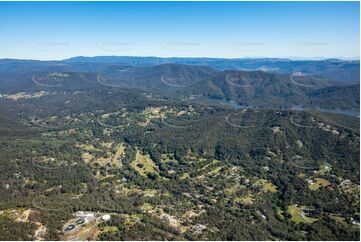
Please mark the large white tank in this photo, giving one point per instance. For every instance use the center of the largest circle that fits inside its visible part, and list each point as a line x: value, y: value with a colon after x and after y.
x: 106, y: 217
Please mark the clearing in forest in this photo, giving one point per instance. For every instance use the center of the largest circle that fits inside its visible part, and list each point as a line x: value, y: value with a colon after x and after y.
x: 119, y: 154
x: 143, y: 164
x: 298, y: 215
x: 246, y: 200
x: 317, y: 183
x: 265, y: 185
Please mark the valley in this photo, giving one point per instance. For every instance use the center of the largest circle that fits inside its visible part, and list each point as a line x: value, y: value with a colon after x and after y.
x: 180, y: 120
x: 176, y: 152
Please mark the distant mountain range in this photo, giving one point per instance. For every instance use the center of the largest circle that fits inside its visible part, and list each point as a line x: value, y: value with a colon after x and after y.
x: 262, y: 82
x: 333, y: 69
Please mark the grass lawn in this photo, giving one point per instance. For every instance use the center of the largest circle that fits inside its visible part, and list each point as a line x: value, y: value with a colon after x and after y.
x: 279, y: 212
x: 298, y: 215
x: 119, y: 153
x: 216, y: 170
x: 318, y: 182
x: 246, y: 200
x: 109, y: 229
x: 338, y: 219
x: 266, y: 185
x: 143, y: 164
x: 207, y: 165
x: 231, y: 190
x: 132, y: 219
x: 185, y: 176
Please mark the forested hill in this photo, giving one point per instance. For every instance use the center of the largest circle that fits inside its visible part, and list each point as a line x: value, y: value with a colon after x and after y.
x: 334, y: 69
x: 256, y: 88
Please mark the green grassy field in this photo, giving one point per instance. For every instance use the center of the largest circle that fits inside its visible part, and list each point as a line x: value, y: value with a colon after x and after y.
x: 318, y: 183
x: 298, y: 215
x: 143, y: 164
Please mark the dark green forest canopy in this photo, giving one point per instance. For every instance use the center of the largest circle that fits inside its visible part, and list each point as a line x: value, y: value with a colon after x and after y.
x: 169, y: 168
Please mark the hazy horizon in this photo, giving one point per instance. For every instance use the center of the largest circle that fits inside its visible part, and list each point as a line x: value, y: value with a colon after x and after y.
x: 193, y: 57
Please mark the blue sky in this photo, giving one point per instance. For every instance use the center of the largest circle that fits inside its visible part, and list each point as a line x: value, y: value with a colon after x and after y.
x: 59, y: 30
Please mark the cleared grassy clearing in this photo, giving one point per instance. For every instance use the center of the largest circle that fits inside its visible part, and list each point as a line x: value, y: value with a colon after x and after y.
x: 280, y: 212
x: 103, y: 161
x: 338, y: 219
x: 216, y: 171
x: 132, y: 219
x: 185, y: 176
x: 231, y: 190
x: 143, y: 164
x: 112, y: 158
x: 246, y: 200
x: 12, y: 213
x: 119, y: 153
x: 147, y: 207
x: 298, y: 215
x: 23, y: 95
x: 318, y: 183
x: 209, y: 164
x: 168, y: 158
x: 265, y: 185
x: 88, y: 147
x: 109, y: 229
x: 87, y: 157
